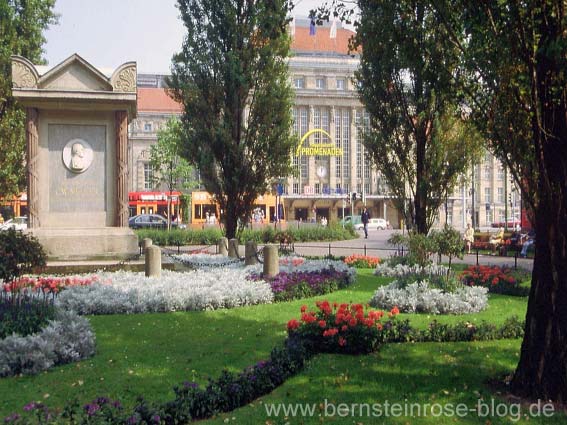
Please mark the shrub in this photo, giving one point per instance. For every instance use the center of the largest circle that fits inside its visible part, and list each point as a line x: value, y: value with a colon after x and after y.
x: 180, y: 237
x: 362, y: 261
x: 65, y: 339
x: 498, y: 280
x: 448, y: 242
x: 343, y: 328
x: 19, y: 253
x: 419, y: 297
x: 420, y: 247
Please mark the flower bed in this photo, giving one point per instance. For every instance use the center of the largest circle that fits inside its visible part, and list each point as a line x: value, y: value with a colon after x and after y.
x: 128, y: 292
x: 343, y: 328
x: 204, y: 260
x: 29, y: 285
x: 68, y: 338
x: 498, y: 280
x: 419, y: 297
x: 301, y: 279
x: 362, y: 261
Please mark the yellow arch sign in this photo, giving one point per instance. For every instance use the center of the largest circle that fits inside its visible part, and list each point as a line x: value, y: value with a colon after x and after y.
x: 327, y: 149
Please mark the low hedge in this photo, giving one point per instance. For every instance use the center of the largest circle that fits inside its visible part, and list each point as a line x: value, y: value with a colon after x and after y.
x: 180, y: 237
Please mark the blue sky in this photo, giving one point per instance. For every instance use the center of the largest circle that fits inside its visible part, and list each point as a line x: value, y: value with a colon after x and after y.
x: 108, y: 33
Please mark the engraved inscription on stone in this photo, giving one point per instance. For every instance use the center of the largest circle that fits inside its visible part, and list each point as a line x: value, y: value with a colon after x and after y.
x: 77, y: 168
x: 77, y: 155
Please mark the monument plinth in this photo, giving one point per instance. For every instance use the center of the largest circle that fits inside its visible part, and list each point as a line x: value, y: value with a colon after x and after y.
x: 77, y: 141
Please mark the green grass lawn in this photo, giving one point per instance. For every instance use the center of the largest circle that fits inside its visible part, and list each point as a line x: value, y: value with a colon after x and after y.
x: 149, y: 354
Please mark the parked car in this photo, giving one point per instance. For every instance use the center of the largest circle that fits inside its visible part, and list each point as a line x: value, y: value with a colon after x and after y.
x: 16, y: 223
x: 374, y: 223
x: 150, y: 221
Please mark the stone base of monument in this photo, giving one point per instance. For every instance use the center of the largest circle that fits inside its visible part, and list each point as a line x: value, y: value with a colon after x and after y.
x: 88, y: 244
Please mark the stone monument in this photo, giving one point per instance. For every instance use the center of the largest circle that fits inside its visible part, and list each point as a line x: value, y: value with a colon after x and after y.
x: 77, y: 140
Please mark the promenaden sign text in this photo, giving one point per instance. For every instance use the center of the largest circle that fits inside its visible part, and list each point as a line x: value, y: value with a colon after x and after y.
x: 323, y: 149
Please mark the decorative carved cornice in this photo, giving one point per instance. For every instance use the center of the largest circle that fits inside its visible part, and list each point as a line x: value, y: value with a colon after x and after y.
x: 23, y: 76
x: 125, y: 79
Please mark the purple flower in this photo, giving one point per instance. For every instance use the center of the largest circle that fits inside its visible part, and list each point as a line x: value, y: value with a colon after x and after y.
x: 29, y: 406
x: 188, y: 384
x: 132, y: 420
x: 91, y: 408
x: 12, y: 418
x: 156, y: 419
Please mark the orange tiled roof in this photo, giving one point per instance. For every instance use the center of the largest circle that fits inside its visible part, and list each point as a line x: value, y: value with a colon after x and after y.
x: 321, y: 41
x: 156, y: 100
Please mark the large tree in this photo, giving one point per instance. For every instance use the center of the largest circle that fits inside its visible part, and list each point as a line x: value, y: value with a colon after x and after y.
x: 515, y: 53
x: 21, y: 33
x: 418, y: 138
x: 232, y: 79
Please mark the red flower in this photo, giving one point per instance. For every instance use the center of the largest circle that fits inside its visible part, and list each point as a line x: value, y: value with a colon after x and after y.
x: 342, y: 341
x: 344, y: 328
x: 352, y: 322
x: 303, y: 308
x: 292, y: 324
x: 394, y: 311
x: 322, y: 324
x: 331, y: 332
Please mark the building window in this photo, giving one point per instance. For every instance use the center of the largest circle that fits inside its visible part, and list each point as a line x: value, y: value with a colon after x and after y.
x: 148, y: 126
x: 501, y: 195
x: 317, y: 188
x: 500, y: 174
x: 320, y: 83
x: 487, y: 195
x: 295, y: 188
x: 450, y: 214
x: 367, y: 188
x: 341, y: 84
x: 300, y: 125
x: 148, y: 176
x: 487, y: 172
x: 299, y: 82
x: 488, y: 217
x: 501, y: 216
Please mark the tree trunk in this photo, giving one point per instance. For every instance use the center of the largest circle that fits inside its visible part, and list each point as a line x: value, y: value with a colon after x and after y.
x: 230, y: 220
x: 542, y: 370
x: 420, y: 204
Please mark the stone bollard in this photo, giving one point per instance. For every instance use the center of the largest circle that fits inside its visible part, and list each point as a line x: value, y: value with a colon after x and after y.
x: 250, y: 253
x: 271, y: 260
x: 153, y: 261
x: 233, y: 248
x: 223, y: 246
x: 146, y: 243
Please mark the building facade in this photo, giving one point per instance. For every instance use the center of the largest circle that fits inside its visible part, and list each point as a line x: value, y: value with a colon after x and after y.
x: 327, y: 107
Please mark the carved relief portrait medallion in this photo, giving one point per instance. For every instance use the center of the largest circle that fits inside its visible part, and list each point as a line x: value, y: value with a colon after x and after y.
x: 77, y: 156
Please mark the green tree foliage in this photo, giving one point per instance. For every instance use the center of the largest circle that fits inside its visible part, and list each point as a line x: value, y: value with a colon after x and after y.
x: 449, y: 242
x: 167, y: 166
x: 418, y: 138
x: 22, y: 23
x: 232, y: 79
